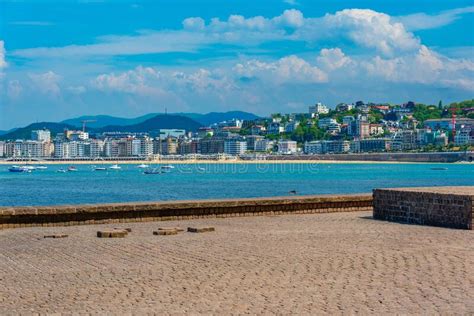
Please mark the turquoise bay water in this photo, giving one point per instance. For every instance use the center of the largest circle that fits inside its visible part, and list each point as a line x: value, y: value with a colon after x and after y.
x: 185, y: 182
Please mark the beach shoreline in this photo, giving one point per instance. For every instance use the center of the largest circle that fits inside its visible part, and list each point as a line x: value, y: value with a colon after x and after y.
x: 208, y: 161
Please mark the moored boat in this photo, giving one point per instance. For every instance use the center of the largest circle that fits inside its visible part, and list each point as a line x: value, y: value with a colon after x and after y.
x: 143, y: 166
x: 100, y: 169
x: 152, y: 171
x: 19, y: 169
x: 166, y: 168
x: 115, y: 167
x: 72, y: 168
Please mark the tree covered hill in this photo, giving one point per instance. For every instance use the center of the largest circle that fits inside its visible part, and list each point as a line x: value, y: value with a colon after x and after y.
x: 25, y: 132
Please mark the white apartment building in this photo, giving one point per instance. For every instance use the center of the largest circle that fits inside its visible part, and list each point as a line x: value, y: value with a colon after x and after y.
x: 264, y: 145
x: 312, y: 148
x: 61, y: 149
x: 318, y: 108
x: 325, y: 122
x: 464, y: 136
x: 111, y: 148
x: 404, y: 140
x: 136, y: 147
x: 146, y: 147
x: 327, y: 146
x: 27, y: 149
x: 96, y: 148
x: 287, y: 147
x: 42, y: 135
x: 77, y: 135
x: 78, y: 149
x: 235, y: 146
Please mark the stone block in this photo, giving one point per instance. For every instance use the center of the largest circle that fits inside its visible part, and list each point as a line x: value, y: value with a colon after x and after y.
x: 178, y: 229
x: 115, y: 233
x: 128, y: 229
x: 56, y: 236
x: 165, y: 232
x: 200, y: 229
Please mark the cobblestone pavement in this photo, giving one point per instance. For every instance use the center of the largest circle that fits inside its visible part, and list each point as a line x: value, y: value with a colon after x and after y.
x: 295, y: 264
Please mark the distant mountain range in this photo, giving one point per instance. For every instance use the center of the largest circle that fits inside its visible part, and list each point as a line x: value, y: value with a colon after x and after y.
x: 204, y: 119
x: 142, y: 124
x: 6, y: 132
x: 161, y: 121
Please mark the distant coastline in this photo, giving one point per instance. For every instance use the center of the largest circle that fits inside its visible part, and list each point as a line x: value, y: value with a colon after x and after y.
x: 385, y: 158
x: 194, y: 161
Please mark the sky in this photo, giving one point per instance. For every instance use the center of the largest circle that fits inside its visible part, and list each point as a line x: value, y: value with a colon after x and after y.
x: 62, y: 59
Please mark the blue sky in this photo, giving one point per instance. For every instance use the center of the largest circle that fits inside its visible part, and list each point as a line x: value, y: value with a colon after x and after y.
x: 60, y: 59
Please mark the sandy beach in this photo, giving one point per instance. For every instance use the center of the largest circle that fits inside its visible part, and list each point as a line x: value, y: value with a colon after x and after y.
x: 341, y: 263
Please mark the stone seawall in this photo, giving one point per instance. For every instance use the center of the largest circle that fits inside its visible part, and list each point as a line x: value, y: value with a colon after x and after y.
x: 446, y: 157
x: 11, y: 217
x: 436, y: 206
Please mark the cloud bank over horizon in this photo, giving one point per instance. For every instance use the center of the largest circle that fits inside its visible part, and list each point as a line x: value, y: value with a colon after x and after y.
x: 259, y: 64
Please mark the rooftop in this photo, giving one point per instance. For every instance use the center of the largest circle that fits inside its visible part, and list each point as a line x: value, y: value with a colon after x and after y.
x: 300, y: 264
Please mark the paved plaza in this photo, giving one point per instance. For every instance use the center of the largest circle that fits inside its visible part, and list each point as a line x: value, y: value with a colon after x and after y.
x: 293, y: 264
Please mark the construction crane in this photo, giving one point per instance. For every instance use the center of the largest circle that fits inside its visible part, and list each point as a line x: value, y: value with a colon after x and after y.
x: 453, y: 120
x: 84, y: 124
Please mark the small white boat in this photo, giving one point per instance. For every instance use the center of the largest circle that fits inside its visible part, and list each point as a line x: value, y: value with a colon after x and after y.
x: 41, y: 167
x: 166, y: 168
x: 61, y: 170
x: 100, y: 169
x: 29, y: 167
x: 201, y: 169
x: 115, y: 167
x: 143, y: 166
x: 71, y: 169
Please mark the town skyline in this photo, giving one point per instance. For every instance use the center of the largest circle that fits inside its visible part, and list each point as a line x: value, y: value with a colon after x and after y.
x: 349, y: 128
x: 86, y: 116
x: 128, y: 59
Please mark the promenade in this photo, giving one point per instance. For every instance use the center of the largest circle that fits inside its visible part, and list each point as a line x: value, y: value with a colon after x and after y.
x: 290, y: 264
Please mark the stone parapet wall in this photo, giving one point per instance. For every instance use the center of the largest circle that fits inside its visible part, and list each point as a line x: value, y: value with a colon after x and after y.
x: 446, y: 157
x: 11, y: 217
x: 444, y: 206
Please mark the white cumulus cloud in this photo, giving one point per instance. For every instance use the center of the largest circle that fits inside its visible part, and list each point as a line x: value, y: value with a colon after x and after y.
x: 195, y: 23
x: 423, y: 21
x: 290, y: 69
x: 3, y: 62
x: 46, y: 83
x: 364, y: 27
x: 372, y: 29
x: 14, y: 89
x: 333, y: 58
x: 134, y: 81
x: 425, y: 67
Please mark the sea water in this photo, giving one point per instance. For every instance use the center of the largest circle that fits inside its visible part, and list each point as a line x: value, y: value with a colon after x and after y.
x: 216, y: 181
